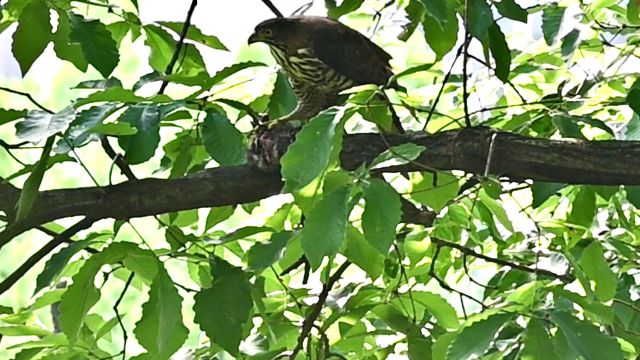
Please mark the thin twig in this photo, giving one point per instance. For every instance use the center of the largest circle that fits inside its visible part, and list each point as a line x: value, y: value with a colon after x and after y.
x: 115, y: 309
x: 64, y: 236
x: 307, y: 324
x: 28, y: 96
x: 118, y: 159
x: 273, y: 8
x: 445, y: 80
x: 465, y: 250
x: 444, y: 285
x: 179, y: 44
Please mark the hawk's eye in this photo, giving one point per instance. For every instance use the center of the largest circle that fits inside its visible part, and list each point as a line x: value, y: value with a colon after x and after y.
x: 267, y: 32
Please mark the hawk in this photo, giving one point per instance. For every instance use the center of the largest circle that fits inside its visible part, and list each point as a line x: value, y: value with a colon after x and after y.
x: 322, y: 57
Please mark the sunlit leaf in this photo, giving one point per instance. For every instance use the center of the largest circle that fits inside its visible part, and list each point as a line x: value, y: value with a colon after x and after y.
x: 141, y: 146
x: 381, y: 214
x: 595, y: 266
x: 537, y: 343
x: 474, y: 340
x: 586, y: 339
x: 32, y: 35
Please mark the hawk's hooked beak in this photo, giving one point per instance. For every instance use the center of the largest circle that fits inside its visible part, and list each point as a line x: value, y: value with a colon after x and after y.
x: 254, y: 38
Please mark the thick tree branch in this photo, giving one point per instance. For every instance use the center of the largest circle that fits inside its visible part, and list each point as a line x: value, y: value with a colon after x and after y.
x: 514, y: 156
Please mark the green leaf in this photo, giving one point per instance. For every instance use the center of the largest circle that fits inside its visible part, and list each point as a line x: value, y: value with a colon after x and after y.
x: 218, y: 215
x: 224, y: 308
x: 543, y: 190
x: 141, y: 146
x: 381, y: 214
x: 586, y: 339
x: 435, y: 193
x: 474, y: 340
x: 415, y: 12
x: 56, y: 159
x: 99, y: 84
x: 39, y: 125
x: 81, y: 129
x: 230, y: 70
x: 309, y: 154
x: 440, y: 35
x: 32, y: 35
x: 397, y: 155
x: 632, y: 12
x: 567, y: 126
x: 64, y: 48
x: 282, y: 100
x: 439, y: 12
x: 480, y: 18
x: 29, y: 192
x: 500, y: 52
x: 569, y: 43
x: 551, y: 21
x: 116, y: 94
x: 360, y: 252
x: 262, y: 255
x: 440, y: 346
x: 325, y: 228
x: 9, y: 115
x: 595, y: 266
x: 98, y: 47
x: 115, y: 129
x: 418, y: 346
x: 161, y: 45
x: 583, y: 207
x: 412, y: 70
x: 56, y: 263
x: 537, y: 344
x: 195, y: 34
x: 633, y: 195
x: 223, y: 141
x: 440, y: 308
x: 511, y: 10
x: 633, y: 99
x: 23, y: 330
x: 161, y: 330
x: 345, y: 7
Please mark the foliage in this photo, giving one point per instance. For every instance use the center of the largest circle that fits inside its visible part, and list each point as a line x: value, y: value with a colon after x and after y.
x: 509, y: 268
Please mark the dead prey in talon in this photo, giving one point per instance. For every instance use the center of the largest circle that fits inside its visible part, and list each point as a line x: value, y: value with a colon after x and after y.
x: 322, y: 58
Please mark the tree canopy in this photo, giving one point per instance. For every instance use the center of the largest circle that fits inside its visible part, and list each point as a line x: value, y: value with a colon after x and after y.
x: 503, y: 224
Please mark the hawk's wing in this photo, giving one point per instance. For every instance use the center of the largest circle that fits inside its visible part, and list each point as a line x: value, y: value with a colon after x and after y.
x: 348, y: 52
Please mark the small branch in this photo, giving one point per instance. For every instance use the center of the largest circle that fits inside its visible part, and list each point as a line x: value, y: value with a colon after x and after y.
x: 566, y: 278
x: 179, y: 44
x: 119, y: 317
x: 64, y: 236
x: 444, y: 285
x: 445, y: 80
x: 28, y: 96
x: 307, y: 324
x: 273, y: 8
x: 465, y: 75
x: 118, y: 159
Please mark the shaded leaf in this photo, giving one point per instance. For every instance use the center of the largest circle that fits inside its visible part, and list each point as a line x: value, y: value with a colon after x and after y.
x: 262, y: 255
x: 586, y: 339
x: 96, y: 42
x: 282, y: 100
x: 39, y: 125
x: 583, y: 207
x: 345, y: 7
x: 32, y: 35
x: 480, y: 18
x: 543, y: 190
x: 551, y: 21
x: 64, y: 48
x: 434, y: 192
x: 9, y: 115
x: 195, y: 34
x: 29, y: 192
x: 569, y: 43
x: 511, y: 10
x: 474, y: 340
x: 141, y: 146
x: 325, y: 228
x: 441, y: 35
x: 360, y: 252
x: 223, y: 309
x: 397, y: 155
x: 223, y: 141
x: 500, y: 52
x: 56, y: 263
x: 381, y: 214
x: 537, y: 343
x: 595, y: 266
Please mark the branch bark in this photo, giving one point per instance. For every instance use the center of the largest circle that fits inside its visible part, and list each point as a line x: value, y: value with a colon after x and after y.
x: 514, y: 156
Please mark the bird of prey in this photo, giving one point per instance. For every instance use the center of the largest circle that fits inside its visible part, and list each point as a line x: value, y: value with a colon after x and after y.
x: 322, y: 57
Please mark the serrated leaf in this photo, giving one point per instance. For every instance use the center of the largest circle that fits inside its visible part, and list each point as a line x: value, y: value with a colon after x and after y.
x: 569, y: 43
x: 511, y: 10
x: 415, y: 11
x: 230, y: 70
x: 99, y: 84
x: 586, y: 339
x: 195, y: 34
x: 161, y: 45
x: 32, y: 35
x: 141, y: 146
x: 397, y: 155
x: 435, y: 193
x: 218, y: 215
x: 474, y: 340
x: 633, y: 13
x: 223, y: 141
x: 161, y: 330
x: 439, y: 12
x: 98, y: 47
x: 29, y: 192
x: 440, y: 308
x: 262, y: 255
x: 81, y: 128
x: 64, y: 48
x: 551, y: 22
x: 9, y: 115
x: 480, y: 18
x: 282, y: 100
x: 56, y: 263
x: 345, y: 7
x: 595, y: 266
x: 441, y: 35
x: 115, y: 94
x: 543, y: 190
x: 223, y: 309
x: 324, y: 229
x: 583, y: 207
x: 537, y: 343
x: 633, y: 99
x: 500, y: 52
x: 381, y: 214
x: 309, y: 154
x: 360, y: 252
x: 39, y: 125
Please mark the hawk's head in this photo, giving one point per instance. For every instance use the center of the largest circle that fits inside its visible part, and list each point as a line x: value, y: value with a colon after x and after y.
x: 279, y: 32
